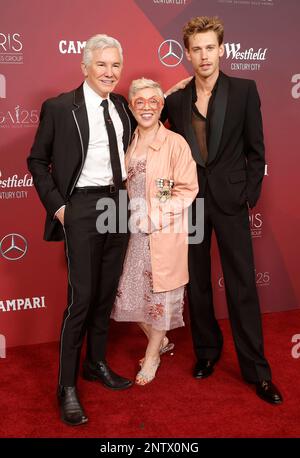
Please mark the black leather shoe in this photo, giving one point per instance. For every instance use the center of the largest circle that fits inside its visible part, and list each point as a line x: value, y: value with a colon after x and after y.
x: 71, y: 411
x: 101, y: 372
x: 268, y: 392
x: 204, y: 368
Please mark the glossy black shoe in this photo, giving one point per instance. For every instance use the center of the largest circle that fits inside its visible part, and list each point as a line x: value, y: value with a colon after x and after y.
x: 71, y: 411
x: 268, y: 392
x: 101, y: 372
x: 204, y: 368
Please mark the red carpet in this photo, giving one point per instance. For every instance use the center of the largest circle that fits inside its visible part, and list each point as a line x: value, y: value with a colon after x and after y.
x: 173, y: 405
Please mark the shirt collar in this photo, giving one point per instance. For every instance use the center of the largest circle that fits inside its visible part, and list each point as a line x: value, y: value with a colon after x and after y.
x: 194, y: 93
x: 91, y: 97
x: 158, y: 140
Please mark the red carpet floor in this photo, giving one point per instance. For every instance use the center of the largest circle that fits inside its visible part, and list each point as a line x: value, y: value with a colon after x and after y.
x: 173, y: 405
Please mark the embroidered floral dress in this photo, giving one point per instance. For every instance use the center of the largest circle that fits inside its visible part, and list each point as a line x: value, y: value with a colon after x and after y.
x: 135, y: 299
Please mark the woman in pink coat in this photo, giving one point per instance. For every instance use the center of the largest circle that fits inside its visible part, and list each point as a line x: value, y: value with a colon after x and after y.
x: 162, y: 183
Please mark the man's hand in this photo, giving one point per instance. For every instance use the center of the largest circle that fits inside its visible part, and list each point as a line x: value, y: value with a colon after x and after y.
x: 180, y: 85
x: 60, y: 215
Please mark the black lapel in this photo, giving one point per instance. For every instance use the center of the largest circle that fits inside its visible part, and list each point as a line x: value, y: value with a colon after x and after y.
x: 218, y: 116
x: 125, y: 118
x: 81, y: 118
x: 187, y: 122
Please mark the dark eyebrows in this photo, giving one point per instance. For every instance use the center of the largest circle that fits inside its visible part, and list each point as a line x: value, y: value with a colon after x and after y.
x: 210, y: 45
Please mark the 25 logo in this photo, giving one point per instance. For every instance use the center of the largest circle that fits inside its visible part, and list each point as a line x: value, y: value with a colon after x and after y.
x: 19, y: 117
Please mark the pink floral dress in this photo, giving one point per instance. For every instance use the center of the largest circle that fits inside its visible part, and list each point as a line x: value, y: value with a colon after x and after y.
x: 135, y: 299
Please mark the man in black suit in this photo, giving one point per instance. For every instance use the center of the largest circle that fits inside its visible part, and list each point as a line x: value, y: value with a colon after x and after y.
x: 220, y: 118
x: 77, y: 160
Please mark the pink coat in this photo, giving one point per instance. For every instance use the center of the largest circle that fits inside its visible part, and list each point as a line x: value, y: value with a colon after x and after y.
x: 169, y: 157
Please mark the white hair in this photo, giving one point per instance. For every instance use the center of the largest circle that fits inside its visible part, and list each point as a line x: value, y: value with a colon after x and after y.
x: 100, y: 41
x: 144, y: 83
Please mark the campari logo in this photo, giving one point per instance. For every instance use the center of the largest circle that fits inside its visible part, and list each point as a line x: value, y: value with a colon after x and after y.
x: 20, y: 304
x: 71, y: 46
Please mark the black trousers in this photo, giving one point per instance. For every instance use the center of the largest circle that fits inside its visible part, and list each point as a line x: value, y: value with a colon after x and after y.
x: 95, y: 262
x: 235, y: 247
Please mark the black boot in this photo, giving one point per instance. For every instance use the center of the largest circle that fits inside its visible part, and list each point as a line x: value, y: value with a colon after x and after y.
x: 71, y: 411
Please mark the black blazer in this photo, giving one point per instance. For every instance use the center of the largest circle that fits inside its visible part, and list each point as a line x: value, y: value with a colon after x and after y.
x: 236, y: 153
x: 60, y: 147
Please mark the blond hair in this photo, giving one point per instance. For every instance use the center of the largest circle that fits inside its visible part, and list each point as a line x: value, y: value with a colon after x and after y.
x: 144, y: 83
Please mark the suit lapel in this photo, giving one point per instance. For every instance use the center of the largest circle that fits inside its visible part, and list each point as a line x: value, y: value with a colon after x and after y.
x: 189, y: 133
x: 81, y: 119
x: 218, y: 116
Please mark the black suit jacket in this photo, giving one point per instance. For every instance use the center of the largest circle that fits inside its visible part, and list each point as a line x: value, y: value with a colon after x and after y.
x: 60, y: 147
x: 236, y: 163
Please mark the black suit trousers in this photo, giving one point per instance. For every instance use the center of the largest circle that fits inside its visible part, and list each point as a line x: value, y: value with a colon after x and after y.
x: 95, y: 262
x: 235, y: 248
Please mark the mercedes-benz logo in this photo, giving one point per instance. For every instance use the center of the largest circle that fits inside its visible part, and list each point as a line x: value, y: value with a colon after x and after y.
x: 170, y: 53
x: 13, y: 247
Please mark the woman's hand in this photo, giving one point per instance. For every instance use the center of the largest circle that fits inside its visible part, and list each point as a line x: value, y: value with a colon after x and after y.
x: 180, y: 85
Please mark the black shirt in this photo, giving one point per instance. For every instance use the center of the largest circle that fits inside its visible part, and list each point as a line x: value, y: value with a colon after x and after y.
x: 201, y: 125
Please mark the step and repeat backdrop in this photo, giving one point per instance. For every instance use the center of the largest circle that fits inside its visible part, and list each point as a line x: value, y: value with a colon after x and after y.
x: 40, y: 54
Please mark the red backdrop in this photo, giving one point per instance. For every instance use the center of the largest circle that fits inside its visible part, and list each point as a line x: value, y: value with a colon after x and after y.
x: 39, y: 57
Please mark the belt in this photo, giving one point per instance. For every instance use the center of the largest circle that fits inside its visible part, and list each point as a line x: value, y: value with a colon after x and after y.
x: 109, y: 189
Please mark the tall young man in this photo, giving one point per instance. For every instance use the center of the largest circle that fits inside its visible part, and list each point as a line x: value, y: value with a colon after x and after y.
x: 220, y: 118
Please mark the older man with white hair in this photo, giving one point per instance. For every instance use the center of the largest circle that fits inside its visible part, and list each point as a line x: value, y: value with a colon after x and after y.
x: 76, y: 159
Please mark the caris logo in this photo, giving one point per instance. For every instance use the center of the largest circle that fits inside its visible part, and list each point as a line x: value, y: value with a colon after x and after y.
x: 256, y: 224
x: 11, y: 48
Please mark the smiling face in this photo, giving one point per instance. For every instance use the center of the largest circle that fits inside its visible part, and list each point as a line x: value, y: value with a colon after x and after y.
x: 104, y: 70
x: 204, y: 53
x: 146, y: 106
